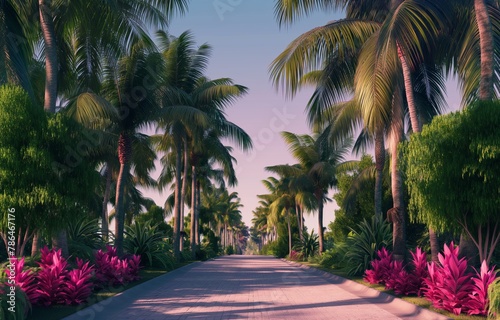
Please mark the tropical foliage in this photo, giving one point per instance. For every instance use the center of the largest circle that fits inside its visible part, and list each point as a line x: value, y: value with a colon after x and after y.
x: 455, y: 155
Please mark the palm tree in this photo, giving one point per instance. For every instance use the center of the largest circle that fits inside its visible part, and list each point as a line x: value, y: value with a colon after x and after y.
x: 320, y: 159
x: 468, y: 49
x: 184, y: 72
x: 486, y: 44
x: 394, y: 36
x: 15, y: 49
x: 126, y: 23
x: 301, y: 187
x: 281, y: 203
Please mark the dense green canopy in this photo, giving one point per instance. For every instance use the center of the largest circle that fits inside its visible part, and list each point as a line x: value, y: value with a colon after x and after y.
x: 453, y: 173
x: 45, y: 174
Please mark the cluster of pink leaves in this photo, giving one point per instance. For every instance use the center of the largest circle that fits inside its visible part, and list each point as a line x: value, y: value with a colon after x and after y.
x: 113, y: 271
x: 394, y: 275
x: 450, y: 287
x: 54, y: 283
x: 24, y: 279
x: 446, y: 284
x: 294, y: 255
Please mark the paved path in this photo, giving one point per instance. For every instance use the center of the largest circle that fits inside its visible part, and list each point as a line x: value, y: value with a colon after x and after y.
x: 251, y: 287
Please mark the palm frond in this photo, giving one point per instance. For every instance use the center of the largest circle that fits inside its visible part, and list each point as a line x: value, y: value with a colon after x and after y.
x: 309, y: 51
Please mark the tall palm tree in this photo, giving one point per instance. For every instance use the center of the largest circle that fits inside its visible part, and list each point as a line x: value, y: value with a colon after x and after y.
x: 320, y: 159
x: 16, y: 50
x: 468, y: 49
x: 301, y: 187
x: 184, y: 72
x: 281, y: 203
x: 395, y: 34
x: 126, y: 23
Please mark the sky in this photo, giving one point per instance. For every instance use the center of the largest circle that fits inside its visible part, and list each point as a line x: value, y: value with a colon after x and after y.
x: 246, y: 38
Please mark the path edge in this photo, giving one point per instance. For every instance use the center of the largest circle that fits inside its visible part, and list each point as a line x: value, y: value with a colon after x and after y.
x: 395, y: 305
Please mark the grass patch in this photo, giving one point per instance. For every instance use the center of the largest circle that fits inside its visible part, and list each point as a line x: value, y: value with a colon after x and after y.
x: 418, y: 301
x: 57, y: 312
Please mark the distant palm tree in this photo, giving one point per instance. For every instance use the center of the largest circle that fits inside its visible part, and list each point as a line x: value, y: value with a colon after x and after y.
x: 200, y: 140
x: 282, y: 203
x: 320, y: 160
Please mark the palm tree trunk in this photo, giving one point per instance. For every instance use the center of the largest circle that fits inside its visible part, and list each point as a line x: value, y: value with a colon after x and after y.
x: 319, y: 196
x: 184, y: 186
x: 486, y: 46
x: 415, y: 125
x: 416, y: 128
x: 197, y: 213
x: 289, y: 234
x: 51, y: 63
x: 177, y: 200
x: 35, y: 244
x: 379, y: 166
x: 192, y: 237
x: 124, y: 154
x: 297, y: 214
x: 107, y: 193
x: 398, y: 213
x: 61, y: 242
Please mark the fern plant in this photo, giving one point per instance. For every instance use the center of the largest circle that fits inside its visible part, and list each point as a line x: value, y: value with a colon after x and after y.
x: 144, y: 240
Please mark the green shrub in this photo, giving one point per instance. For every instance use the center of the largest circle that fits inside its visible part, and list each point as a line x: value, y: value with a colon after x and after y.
x: 229, y: 250
x: 309, y: 245
x: 334, y: 257
x: 209, y: 246
x: 144, y: 240
x: 278, y: 248
x: 494, y: 296
x: 361, y: 245
x: 84, y: 238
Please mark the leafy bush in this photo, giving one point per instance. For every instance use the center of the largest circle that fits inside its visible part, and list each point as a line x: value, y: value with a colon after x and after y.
x: 209, y: 245
x: 84, y: 238
x: 449, y: 285
x: 144, y: 240
x: 334, y: 257
x: 395, y: 275
x: 25, y: 280
x: 78, y: 285
x: 278, y: 248
x: 478, y: 302
x: 381, y: 268
x: 361, y: 246
x: 309, y: 245
x: 112, y: 271
x: 22, y: 304
x: 295, y: 256
x: 494, y: 297
x: 51, y: 277
x: 229, y: 250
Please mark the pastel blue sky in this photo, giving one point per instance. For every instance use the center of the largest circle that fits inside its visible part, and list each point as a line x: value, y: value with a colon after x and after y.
x: 246, y: 38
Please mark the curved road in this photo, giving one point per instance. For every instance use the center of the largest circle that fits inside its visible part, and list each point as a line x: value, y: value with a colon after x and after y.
x: 251, y: 287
